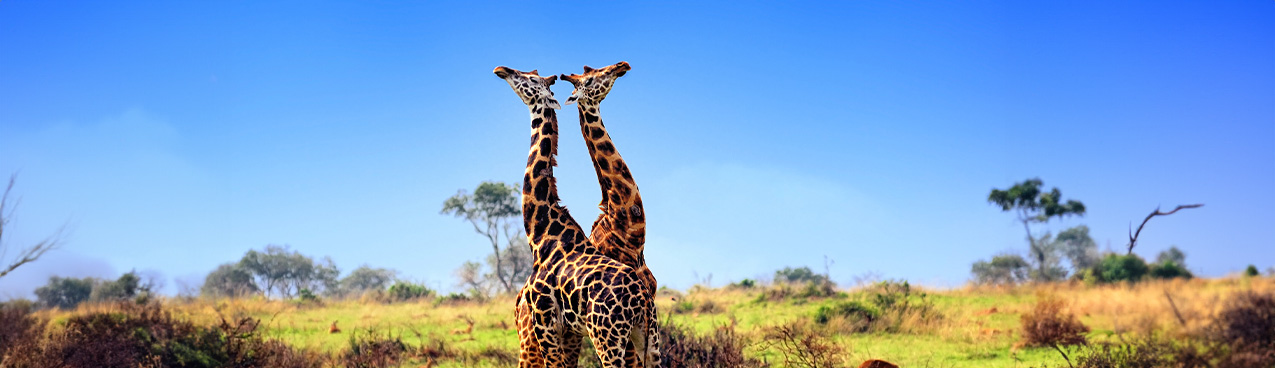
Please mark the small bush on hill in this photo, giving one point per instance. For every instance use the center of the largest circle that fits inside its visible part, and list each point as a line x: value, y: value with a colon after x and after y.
x: 857, y: 316
x: 742, y: 284
x: 1251, y: 271
x: 799, y: 275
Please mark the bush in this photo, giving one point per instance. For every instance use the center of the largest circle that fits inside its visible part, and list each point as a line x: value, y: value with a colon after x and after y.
x: 1047, y: 325
x: 681, y: 347
x: 1169, y: 270
x: 404, y: 291
x: 373, y: 351
x: 145, y: 336
x: 17, y: 326
x: 799, y: 275
x: 1116, y: 268
x: 859, y: 315
x: 1247, y: 322
x: 803, y: 346
x: 743, y: 284
x: 1251, y: 271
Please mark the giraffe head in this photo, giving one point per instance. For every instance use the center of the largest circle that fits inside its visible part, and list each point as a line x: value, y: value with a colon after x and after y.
x: 594, y: 84
x: 530, y: 86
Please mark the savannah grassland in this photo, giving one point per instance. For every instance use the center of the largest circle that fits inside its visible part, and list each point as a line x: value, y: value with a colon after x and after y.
x: 971, y: 327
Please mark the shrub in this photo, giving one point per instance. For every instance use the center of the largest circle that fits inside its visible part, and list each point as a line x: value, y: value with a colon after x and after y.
x: 1247, y: 321
x: 1169, y: 270
x: 1047, y: 325
x: 803, y: 346
x: 799, y: 275
x: 1115, y: 268
x: 743, y: 284
x: 859, y: 315
x: 145, y: 335
x: 404, y: 291
x: 1251, y: 271
x: 17, y: 326
x: 372, y: 351
x: 681, y: 347
x: 305, y: 296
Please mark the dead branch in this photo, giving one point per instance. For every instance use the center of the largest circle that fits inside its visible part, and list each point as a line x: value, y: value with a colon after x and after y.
x: 1133, y: 236
x: 29, y: 254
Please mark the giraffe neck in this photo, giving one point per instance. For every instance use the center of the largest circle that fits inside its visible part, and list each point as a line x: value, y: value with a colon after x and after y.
x: 621, y: 204
x: 539, y: 189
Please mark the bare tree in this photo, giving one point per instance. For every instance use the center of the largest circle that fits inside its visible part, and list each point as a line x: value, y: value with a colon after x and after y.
x: 28, y: 254
x: 1133, y: 236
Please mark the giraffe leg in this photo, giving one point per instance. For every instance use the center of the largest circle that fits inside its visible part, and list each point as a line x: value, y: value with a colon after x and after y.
x: 611, y: 343
x: 530, y: 355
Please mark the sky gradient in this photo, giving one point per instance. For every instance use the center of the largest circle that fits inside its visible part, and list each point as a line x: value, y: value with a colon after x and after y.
x: 173, y: 137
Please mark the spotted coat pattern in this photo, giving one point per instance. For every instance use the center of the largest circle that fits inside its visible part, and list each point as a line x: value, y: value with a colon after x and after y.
x: 575, y: 290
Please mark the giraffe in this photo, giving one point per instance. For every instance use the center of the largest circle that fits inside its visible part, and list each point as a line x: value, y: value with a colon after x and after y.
x: 620, y: 230
x: 574, y: 291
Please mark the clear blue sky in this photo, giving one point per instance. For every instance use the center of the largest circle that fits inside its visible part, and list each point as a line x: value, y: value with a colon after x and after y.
x: 175, y: 136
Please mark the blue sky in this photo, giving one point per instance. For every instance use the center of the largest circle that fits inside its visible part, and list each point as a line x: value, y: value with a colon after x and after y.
x: 173, y: 137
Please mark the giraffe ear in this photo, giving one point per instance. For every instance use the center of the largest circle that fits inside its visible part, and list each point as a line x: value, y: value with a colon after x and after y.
x: 534, y: 72
x: 550, y: 79
x: 587, y: 69
x: 572, y: 99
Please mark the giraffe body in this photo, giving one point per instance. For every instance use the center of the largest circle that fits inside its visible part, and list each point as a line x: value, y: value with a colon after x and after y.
x: 575, y: 290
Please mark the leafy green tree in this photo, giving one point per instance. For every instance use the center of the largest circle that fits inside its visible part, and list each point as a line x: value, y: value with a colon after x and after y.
x: 1081, y: 250
x: 1170, y: 263
x: 799, y: 275
x: 1251, y: 271
x: 1035, y: 206
x: 365, y: 278
x: 494, y: 210
x: 124, y: 288
x: 1004, y: 269
x: 65, y: 292
x: 284, y: 272
x: 1173, y: 254
x: 227, y: 281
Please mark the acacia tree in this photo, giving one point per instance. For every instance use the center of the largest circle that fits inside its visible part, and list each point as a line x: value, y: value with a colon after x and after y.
x: 494, y: 211
x: 27, y: 254
x: 285, y: 272
x: 1034, y: 206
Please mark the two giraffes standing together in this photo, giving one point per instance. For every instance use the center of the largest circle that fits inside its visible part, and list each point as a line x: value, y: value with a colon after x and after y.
x: 595, y: 286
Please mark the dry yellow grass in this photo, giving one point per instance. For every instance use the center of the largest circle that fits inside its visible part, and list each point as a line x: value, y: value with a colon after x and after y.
x: 979, y: 327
